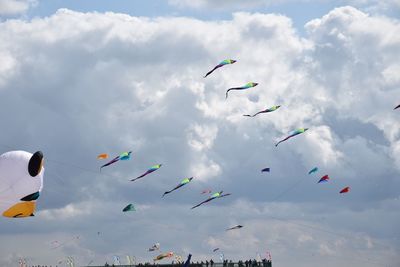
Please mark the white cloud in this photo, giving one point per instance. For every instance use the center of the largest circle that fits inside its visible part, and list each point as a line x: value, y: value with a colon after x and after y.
x: 12, y: 7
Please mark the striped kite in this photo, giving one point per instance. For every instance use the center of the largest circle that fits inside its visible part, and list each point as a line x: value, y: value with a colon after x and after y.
x: 152, y: 169
x: 221, y: 64
x: 246, y: 86
x: 184, y: 181
x: 264, y: 111
x: 294, y: 133
x: 213, y: 196
x: 123, y: 156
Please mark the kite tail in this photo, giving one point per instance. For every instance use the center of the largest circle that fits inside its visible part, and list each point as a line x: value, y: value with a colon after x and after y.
x: 226, y: 94
x: 248, y: 115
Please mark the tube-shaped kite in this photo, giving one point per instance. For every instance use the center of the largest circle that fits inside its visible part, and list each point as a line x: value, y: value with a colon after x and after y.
x: 246, y: 86
x: 294, y: 133
x: 271, y: 109
x: 345, y: 190
x: 313, y: 170
x: 164, y: 255
x: 324, y: 179
x: 184, y: 181
x: 212, y: 197
x: 123, y: 156
x: 152, y: 169
x: 234, y: 227
x: 221, y: 64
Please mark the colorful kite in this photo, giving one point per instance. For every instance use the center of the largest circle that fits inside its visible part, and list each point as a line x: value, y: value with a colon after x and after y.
x: 345, y: 190
x: 313, y: 170
x: 164, y: 255
x: 152, y: 169
x: 184, y: 181
x: 102, y: 156
x: 155, y: 247
x: 223, y: 63
x: 246, y: 86
x: 21, y: 181
x: 234, y: 227
x: 264, y: 111
x: 215, y: 249
x: 265, y: 170
x: 294, y: 133
x: 397, y: 107
x: 130, y: 207
x: 324, y: 179
x: 123, y: 156
x: 213, y: 196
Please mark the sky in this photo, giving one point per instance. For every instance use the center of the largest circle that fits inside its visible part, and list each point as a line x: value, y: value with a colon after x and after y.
x: 80, y: 78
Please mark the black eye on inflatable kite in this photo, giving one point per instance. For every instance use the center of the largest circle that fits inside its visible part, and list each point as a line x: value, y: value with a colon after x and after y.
x: 35, y: 164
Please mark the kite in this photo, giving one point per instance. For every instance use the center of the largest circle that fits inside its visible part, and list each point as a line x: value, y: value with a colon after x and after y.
x: 130, y: 207
x: 123, y: 156
x: 294, y: 133
x: 264, y: 111
x: 102, y: 156
x: 206, y: 191
x: 215, y: 249
x: 398, y: 106
x: 246, y: 86
x: 213, y: 196
x: 21, y: 181
x: 155, y: 247
x: 234, y: 227
x: 221, y: 64
x: 184, y: 181
x: 324, y: 179
x: 164, y: 255
x: 313, y: 170
x: 187, y: 262
x: 345, y: 190
x: 152, y: 169
x: 265, y: 170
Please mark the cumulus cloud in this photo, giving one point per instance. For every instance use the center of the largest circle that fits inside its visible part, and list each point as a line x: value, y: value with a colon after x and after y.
x: 80, y: 84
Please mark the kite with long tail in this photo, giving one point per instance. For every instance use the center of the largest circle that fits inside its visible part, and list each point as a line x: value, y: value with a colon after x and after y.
x: 184, y: 181
x: 244, y: 87
x: 213, y: 196
x: 234, y: 227
x: 271, y: 109
x: 221, y: 64
x: 123, y: 156
x: 152, y: 169
x: 294, y: 133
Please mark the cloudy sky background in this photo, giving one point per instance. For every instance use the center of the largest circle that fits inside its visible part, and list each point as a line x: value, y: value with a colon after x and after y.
x: 82, y: 78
